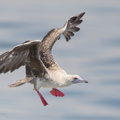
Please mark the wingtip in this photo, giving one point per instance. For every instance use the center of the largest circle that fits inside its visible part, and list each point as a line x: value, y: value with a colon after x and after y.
x: 81, y: 14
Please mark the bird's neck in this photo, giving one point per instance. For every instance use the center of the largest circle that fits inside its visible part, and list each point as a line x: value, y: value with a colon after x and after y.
x: 67, y: 80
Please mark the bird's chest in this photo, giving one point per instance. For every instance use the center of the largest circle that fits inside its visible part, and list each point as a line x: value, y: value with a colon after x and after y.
x: 55, y: 80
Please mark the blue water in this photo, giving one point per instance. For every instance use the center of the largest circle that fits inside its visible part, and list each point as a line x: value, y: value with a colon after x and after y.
x: 93, y: 53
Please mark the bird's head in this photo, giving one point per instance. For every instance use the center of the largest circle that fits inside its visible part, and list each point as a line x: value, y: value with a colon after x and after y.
x: 73, y: 79
x: 78, y: 79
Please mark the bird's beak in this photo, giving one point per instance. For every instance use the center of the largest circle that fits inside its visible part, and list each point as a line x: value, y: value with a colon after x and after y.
x: 80, y: 80
x: 85, y: 81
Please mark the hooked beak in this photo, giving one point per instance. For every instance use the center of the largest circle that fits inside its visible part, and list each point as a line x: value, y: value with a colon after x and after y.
x: 79, y: 80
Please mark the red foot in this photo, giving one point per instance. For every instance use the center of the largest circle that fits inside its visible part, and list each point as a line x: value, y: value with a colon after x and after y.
x: 56, y: 92
x: 42, y: 99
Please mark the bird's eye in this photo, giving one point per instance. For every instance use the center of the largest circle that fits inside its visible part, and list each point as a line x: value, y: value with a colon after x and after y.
x: 75, y: 78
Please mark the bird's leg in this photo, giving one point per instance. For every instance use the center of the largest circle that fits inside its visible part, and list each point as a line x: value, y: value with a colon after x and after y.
x: 42, y: 98
x: 56, y: 92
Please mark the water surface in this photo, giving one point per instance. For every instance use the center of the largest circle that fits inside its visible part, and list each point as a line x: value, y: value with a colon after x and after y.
x: 93, y: 53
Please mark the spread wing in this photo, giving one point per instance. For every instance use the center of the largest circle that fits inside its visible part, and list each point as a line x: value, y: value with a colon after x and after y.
x: 48, y: 41
x: 23, y: 54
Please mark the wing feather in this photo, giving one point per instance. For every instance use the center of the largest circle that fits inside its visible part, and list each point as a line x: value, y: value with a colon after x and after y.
x: 72, y: 24
x: 49, y: 40
x: 16, y: 57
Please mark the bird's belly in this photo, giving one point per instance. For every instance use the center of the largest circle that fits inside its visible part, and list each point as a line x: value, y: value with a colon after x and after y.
x: 42, y: 83
x: 50, y: 84
x: 47, y: 84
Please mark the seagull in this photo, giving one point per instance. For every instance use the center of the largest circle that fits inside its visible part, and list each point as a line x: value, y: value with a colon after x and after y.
x: 42, y: 71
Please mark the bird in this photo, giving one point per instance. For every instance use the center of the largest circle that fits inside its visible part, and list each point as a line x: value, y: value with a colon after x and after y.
x: 42, y: 70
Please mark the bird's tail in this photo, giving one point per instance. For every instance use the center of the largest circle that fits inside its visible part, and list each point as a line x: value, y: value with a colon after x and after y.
x: 21, y: 82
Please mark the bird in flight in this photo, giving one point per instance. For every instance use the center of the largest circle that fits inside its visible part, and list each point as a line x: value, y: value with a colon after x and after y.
x: 41, y: 68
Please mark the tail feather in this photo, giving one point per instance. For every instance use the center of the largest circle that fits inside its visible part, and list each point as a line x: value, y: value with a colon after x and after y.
x: 16, y: 84
x: 21, y: 82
